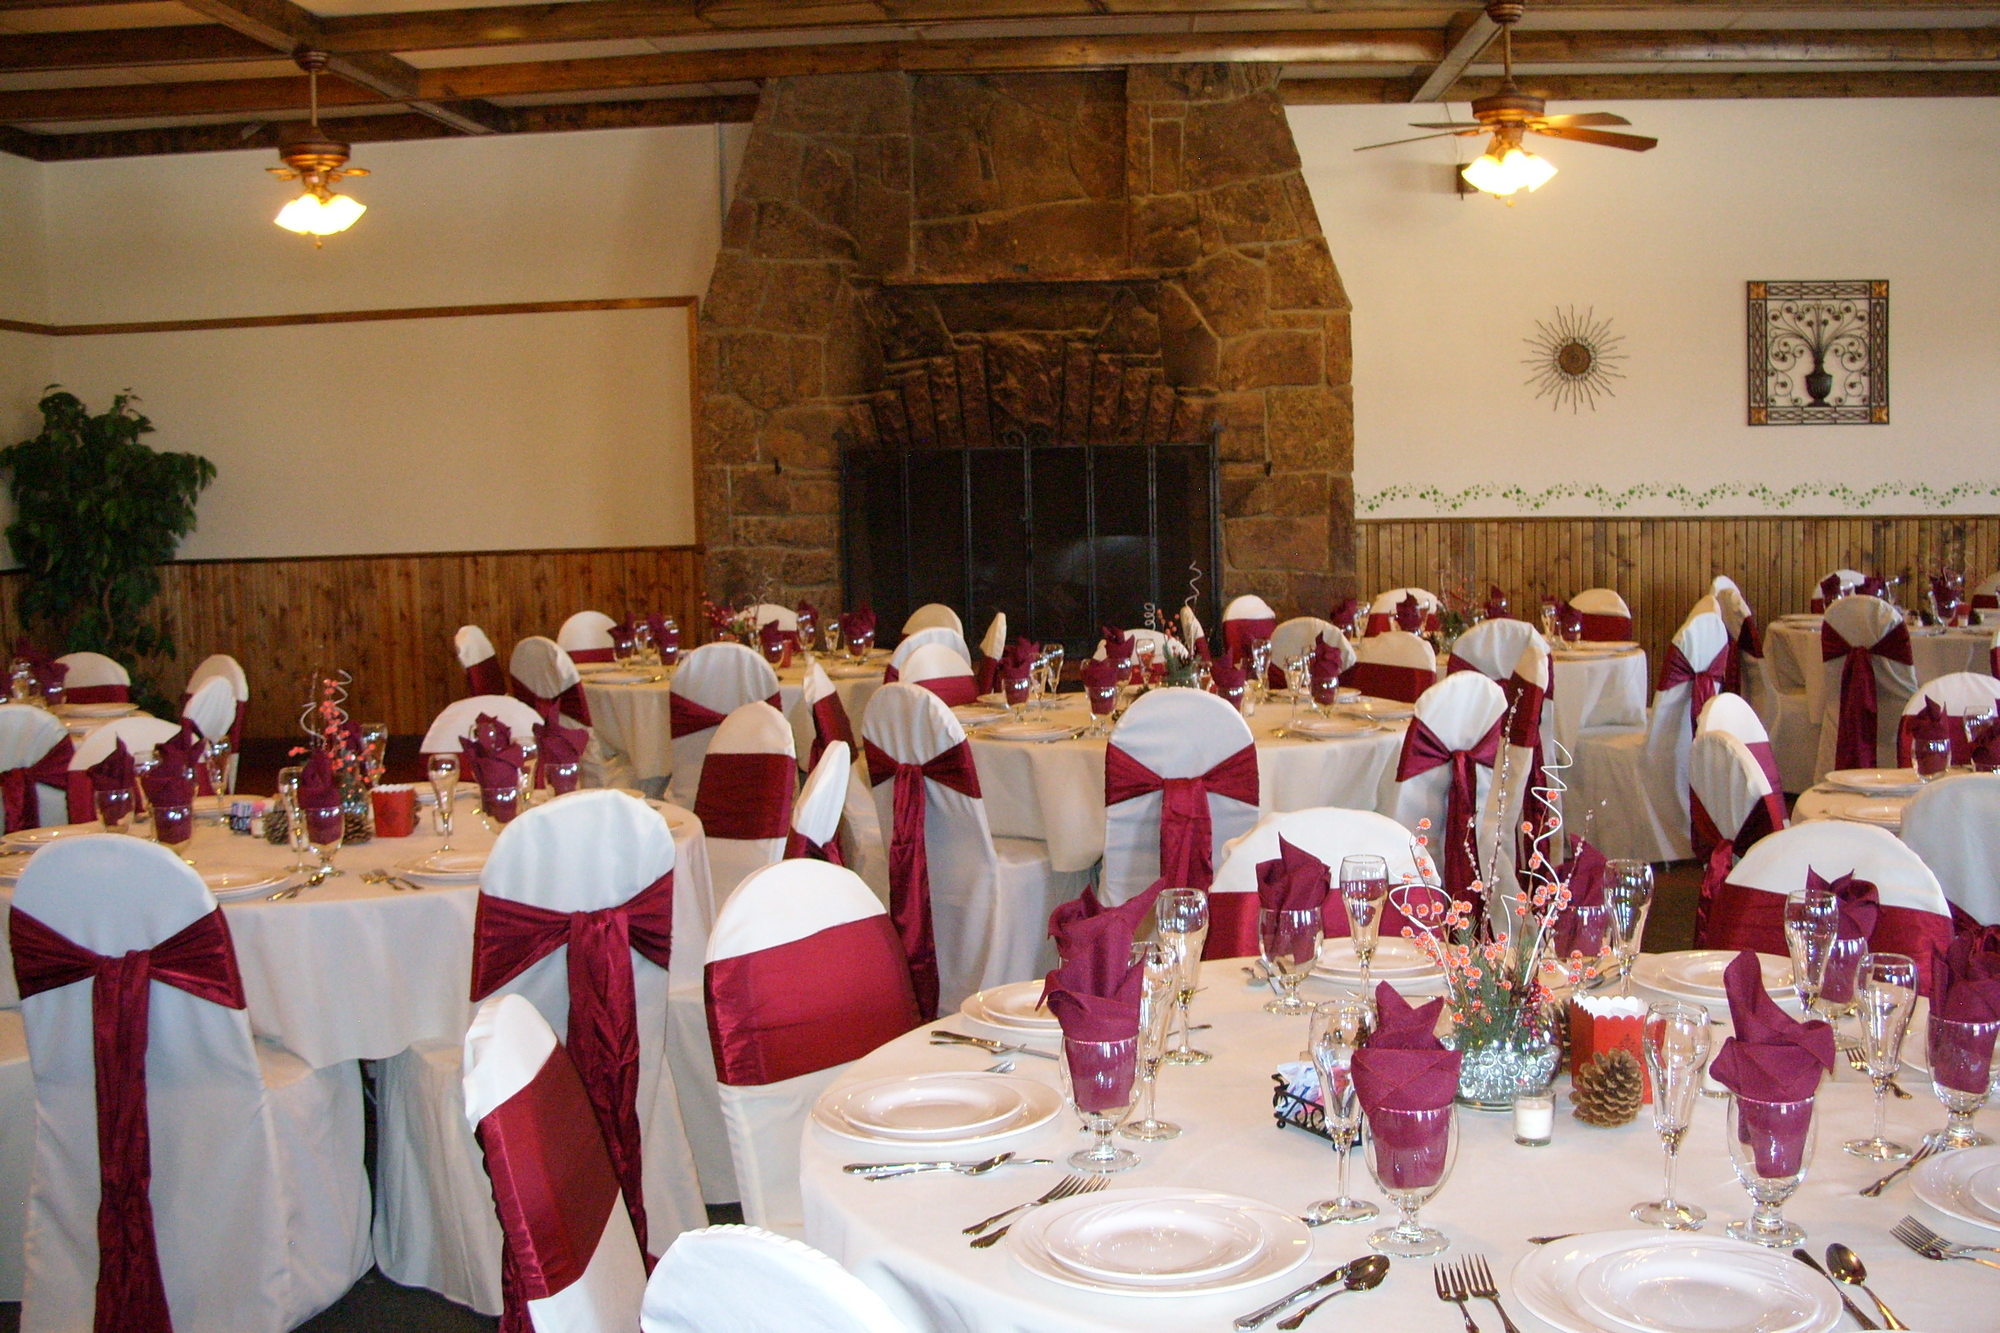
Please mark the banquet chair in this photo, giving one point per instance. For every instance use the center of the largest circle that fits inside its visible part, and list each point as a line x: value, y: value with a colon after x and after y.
x: 742, y: 1279
x: 258, y: 1200
x: 829, y: 718
x: 1382, y: 610
x: 211, y: 707
x: 1985, y: 595
x: 1180, y: 780
x: 1849, y: 581
x: 1993, y: 654
x: 1748, y: 912
x: 1961, y: 694
x: 1950, y: 825
x: 815, y: 834
x: 1867, y: 677
x: 1394, y: 664
x: 586, y: 637
x: 455, y: 722
x: 544, y: 676
x: 231, y: 670
x: 943, y: 672
x: 141, y: 733
x: 1514, y: 655
x: 923, y: 638
x: 971, y: 909
x: 1606, y: 617
x: 1633, y: 785
x: 482, y: 666
x: 1734, y: 802
x: 93, y: 678
x: 35, y: 754
x: 596, y: 867
x: 1300, y: 635
x: 1732, y: 713
x: 1453, y: 805
x: 1493, y: 648
x: 575, y: 1263
x: 777, y: 1046
x: 934, y: 615
x: 1245, y: 620
x: 711, y: 682
x: 17, y: 1146
x: 744, y: 800
x: 1326, y: 832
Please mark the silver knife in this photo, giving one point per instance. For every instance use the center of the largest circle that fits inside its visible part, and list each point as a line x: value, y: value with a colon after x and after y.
x: 1256, y: 1317
x: 942, y: 1037
x: 1806, y: 1258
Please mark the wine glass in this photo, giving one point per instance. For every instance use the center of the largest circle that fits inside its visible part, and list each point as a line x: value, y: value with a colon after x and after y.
x: 643, y: 649
x: 444, y: 786
x: 1975, y: 723
x: 1260, y: 668
x: 1770, y: 1146
x: 1053, y: 664
x: 326, y: 829
x: 295, y: 820
x: 1339, y: 1028
x: 1410, y: 1155
x: 1961, y: 1054
x: 374, y: 752
x: 1103, y: 700
x: 217, y: 758
x: 526, y: 786
x: 1156, y: 1009
x: 1676, y: 1042
x: 1628, y: 891
x: 1101, y: 1081
x: 1364, y: 887
x: 114, y: 809
x: 1182, y: 917
x: 1812, y: 925
x: 1592, y: 933
x: 1885, y: 993
x: 1288, y: 941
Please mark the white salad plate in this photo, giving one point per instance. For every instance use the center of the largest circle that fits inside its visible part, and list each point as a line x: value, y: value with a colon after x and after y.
x: 1649, y: 1283
x: 1159, y: 1241
x: 937, y: 1109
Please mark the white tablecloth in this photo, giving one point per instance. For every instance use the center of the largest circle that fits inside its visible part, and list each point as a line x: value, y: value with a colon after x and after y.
x: 349, y: 970
x: 1597, y: 690
x: 1792, y: 647
x: 902, y: 1237
x: 1054, y: 790
x: 1825, y: 803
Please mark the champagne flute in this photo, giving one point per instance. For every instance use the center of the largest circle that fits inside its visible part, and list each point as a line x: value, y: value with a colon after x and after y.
x: 374, y: 751
x: 1338, y: 1030
x: 1364, y: 887
x: 1770, y: 1147
x: 1156, y: 1009
x: 526, y: 786
x: 295, y: 820
x: 1288, y: 940
x: 217, y: 758
x: 1676, y: 1042
x: 1812, y: 925
x: 1182, y: 917
x: 1628, y: 890
x: 444, y: 786
x: 1101, y: 1081
x: 1054, y: 653
x: 1885, y: 993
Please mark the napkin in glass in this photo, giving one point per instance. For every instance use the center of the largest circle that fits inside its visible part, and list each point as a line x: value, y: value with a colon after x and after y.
x: 183, y: 750
x: 1409, y: 615
x: 114, y: 771
x: 1294, y: 881
x: 1095, y: 996
x: 858, y: 623
x: 1860, y: 907
x: 1967, y: 977
x: 1773, y: 1063
x: 557, y: 745
x: 1403, y: 1075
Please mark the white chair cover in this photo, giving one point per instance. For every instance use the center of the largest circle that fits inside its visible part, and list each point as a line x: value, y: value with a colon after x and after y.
x: 1731, y: 713
x: 1176, y: 733
x: 1493, y: 648
x: 1984, y: 596
x: 544, y: 666
x: 816, y: 814
x: 93, y: 669
x: 140, y: 732
x: 472, y: 646
x: 1459, y: 710
x: 1957, y: 692
x: 747, y: 1280
x: 1834, y: 847
x: 509, y: 1089
x: 1721, y: 581
x: 586, y: 631
x: 1600, y: 602
x: 434, y: 1220
x: 1326, y: 832
x: 27, y: 734
x: 1727, y: 779
x: 770, y: 612
x: 1950, y: 825
x: 934, y: 615
x: 995, y: 642
x: 17, y: 1148
x: 1410, y: 662
x: 211, y: 707
x: 720, y: 677
x: 934, y: 661
x: 1300, y: 635
x: 923, y: 638
x: 455, y: 723
x: 1248, y: 607
x: 1863, y: 621
x: 737, y: 798
x: 221, y: 664
x: 260, y: 1204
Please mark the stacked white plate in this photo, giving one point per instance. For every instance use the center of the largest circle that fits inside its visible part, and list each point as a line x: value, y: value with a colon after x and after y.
x: 1881, y: 811
x: 1599, y: 647
x: 1326, y: 728
x: 440, y: 870
x: 937, y: 1109
x: 1874, y: 781
x: 96, y: 710
x: 1396, y: 960
x: 1696, y: 974
x: 1380, y: 710
x: 1963, y: 1185
x: 978, y: 715
x: 1016, y: 1006
x: 42, y: 837
x: 1160, y: 1241
x: 1643, y: 1282
x: 852, y: 671
x: 1026, y: 731
x: 619, y: 677
x: 228, y: 883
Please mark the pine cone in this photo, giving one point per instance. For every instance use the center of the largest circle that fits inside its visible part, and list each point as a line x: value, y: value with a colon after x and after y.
x: 277, y: 829
x: 357, y: 827
x: 1608, y: 1090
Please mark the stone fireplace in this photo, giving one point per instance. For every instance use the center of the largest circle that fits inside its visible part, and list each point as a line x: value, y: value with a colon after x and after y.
x: 943, y: 260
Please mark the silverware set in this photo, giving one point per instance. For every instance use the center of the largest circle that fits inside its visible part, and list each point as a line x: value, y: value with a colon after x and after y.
x: 945, y: 1037
x: 1857, y: 1060
x: 1931, y: 1145
x: 1469, y: 1280
x: 892, y: 1170
x: 1365, y: 1272
x: 1933, y: 1246
x: 1065, y: 1188
x: 396, y: 882
x: 312, y: 881
x: 1859, y: 1317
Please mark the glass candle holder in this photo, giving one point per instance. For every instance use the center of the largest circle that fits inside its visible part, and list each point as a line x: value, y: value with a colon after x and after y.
x: 1535, y: 1118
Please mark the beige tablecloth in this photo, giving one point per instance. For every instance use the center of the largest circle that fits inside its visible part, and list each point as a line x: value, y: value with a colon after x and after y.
x: 1597, y: 690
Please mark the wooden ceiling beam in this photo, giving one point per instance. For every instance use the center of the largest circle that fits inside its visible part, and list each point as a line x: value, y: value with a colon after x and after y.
x: 1673, y: 46
x: 184, y: 44
x: 1651, y: 87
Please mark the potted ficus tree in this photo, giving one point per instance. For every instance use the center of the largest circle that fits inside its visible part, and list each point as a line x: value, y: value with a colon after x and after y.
x: 96, y: 513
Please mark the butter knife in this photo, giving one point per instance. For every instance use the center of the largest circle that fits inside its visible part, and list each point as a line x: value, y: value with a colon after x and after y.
x: 1256, y: 1317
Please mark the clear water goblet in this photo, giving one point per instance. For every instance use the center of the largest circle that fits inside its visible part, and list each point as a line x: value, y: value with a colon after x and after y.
x: 1628, y: 891
x: 1676, y: 1041
x: 326, y: 830
x: 1587, y: 945
x: 1338, y: 1030
x: 1839, y: 986
x: 1364, y: 888
x: 1961, y: 1056
x: 1885, y: 994
x: 1931, y: 756
x: 444, y: 786
x: 1410, y: 1155
x: 1181, y: 917
x: 1101, y: 1081
x: 114, y: 809
x: 1770, y: 1147
x: 1812, y: 925
x: 1288, y: 941
x: 1156, y: 1011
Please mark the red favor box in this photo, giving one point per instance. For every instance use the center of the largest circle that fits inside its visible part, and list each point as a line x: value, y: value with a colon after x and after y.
x: 395, y: 812
x: 1590, y: 1033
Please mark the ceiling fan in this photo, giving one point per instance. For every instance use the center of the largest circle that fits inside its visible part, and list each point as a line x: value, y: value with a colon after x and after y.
x: 1509, y: 114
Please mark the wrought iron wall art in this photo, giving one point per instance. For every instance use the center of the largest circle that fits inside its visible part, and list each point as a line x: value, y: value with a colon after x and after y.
x: 1575, y: 359
x: 1819, y: 353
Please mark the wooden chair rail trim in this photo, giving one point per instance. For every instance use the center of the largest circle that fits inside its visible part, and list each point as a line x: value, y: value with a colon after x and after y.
x: 349, y: 316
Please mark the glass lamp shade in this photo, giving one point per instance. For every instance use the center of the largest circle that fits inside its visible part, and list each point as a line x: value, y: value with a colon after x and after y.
x: 309, y: 215
x: 1516, y: 169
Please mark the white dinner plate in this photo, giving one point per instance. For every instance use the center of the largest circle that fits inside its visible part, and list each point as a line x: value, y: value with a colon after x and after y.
x: 1696, y: 974
x: 1547, y: 1281
x: 1963, y: 1185
x: 1881, y: 811
x: 1025, y: 731
x: 852, y: 671
x: 1328, y: 727
x: 11, y: 861
x: 1018, y: 1005
x: 42, y: 837
x: 1601, y: 646
x: 1287, y: 1243
x: 1874, y: 781
x: 231, y: 882
x: 619, y: 677
x: 1154, y: 1241
x: 95, y: 710
x: 949, y: 1106
x: 1038, y: 1105
x: 444, y: 868
x: 978, y: 715
x: 1381, y: 710
x: 1394, y: 957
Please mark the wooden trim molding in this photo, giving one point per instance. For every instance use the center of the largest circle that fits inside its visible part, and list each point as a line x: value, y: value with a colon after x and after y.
x: 349, y: 316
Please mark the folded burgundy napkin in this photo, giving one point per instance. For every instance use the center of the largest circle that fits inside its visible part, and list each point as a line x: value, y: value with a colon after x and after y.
x: 1931, y: 722
x: 1829, y: 588
x: 1099, y: 673
x: 491, y: 735
x: 1496, y: 603
x: 1118, y: 645
x: 1967, y: 977
x: 1583, y: 873
x: 48, y: 671
x: 1409, y: 615
x: 556, y: 745
x: 665, y: 636
x: 771, y: 638
x: 114, y: 771
x: 490, y: 756
x: 1346, y: 615
x: 858, y: 623
x: 1773, y: 1063
x: 1227, y: 677
x: 168, y: 785
x: 1324, y: 665
x: 183, y: 750
x: 1945, y: 589
x: 1859, y: 904
x: 1986, y: 745
x: 1405, y: 1081
x: 1400, y: 1025
x: 1293, y: 880
x: 807, y: 611
x: 1095, y: 996
x: 318, y: 788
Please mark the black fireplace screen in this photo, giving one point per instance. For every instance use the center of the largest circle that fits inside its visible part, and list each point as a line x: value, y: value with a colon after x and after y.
x: 1063, y: 538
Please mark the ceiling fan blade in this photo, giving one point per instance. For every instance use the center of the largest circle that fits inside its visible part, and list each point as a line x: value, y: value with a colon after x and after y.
x: 1637, y: 143
x: 1586, y: 118
x: 1448, y: 134
x: 1454, y: 125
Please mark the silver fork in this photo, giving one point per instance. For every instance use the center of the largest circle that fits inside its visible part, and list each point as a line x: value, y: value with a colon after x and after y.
x: 312, y: 881
x: 1933, y: 1246
x: 1451, y: 1287
x: 1479, y: 1283
x: 1067, y: 1187
x: 1857, y: 1060
x: 1932, y: 1144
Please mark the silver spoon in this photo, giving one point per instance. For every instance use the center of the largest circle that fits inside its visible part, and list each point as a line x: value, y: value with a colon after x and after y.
x: 1362, y: 1274
x: 1846, y: 1265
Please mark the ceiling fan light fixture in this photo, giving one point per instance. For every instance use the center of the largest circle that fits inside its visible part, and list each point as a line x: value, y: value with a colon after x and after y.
x: 317, y: 161
x: 1506, y: 170
x: 312, y: 215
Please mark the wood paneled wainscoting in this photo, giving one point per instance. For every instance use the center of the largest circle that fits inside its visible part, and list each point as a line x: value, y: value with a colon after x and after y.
x: 1661, y: 565
x: 388, y: 620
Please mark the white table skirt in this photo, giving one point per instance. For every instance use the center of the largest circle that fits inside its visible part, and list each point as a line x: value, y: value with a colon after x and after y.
x: 350, y: 971
x: 1794, y: 654
x: 1053, y: 791
x: 902, y: 1237
x: 1597, y: 690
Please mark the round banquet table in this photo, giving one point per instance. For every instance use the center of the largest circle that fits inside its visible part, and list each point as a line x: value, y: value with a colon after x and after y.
x: 633, y: 716
x: 354, y: 971
x: 1596, y: 690
x: 1054, y: 790
x: 902, y: 1237
x: 1794, y: 653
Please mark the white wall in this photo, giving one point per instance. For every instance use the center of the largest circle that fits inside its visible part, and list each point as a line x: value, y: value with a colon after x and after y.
x: 1445, y: 291
x: 25, y: 362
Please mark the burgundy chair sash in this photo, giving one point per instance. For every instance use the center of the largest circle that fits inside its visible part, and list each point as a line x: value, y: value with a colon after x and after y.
x: 1525, y: 700
x: 17, y: 785
x: 1424, y: 751
x: 97, y: 694
x: 485, y: 678
x: 1743, y: 645
x: 746, y: 796
x: 798, y: 847
x: 890, y: 675
x: 1702, y: 683
x: 1232, y: 925
x: 768, y: 1013
x: 1237, y: 635
x: 1187, y: 834
x: 131, y: 1297
x: 1741, y: 917
x: 830, y: 724
x: 1605, y: 629
x: 1385, y: 680
x: 1854, y: 745
x: 570, y: 703
x: 685, y: 717
x: 909, y: 859
x: 509, y: 937
x: 593, y: 654
x: 552, y: 1187
x: 956, y: 691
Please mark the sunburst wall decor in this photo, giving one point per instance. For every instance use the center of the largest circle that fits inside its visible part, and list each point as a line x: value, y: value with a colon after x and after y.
x: 1575, y: 359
